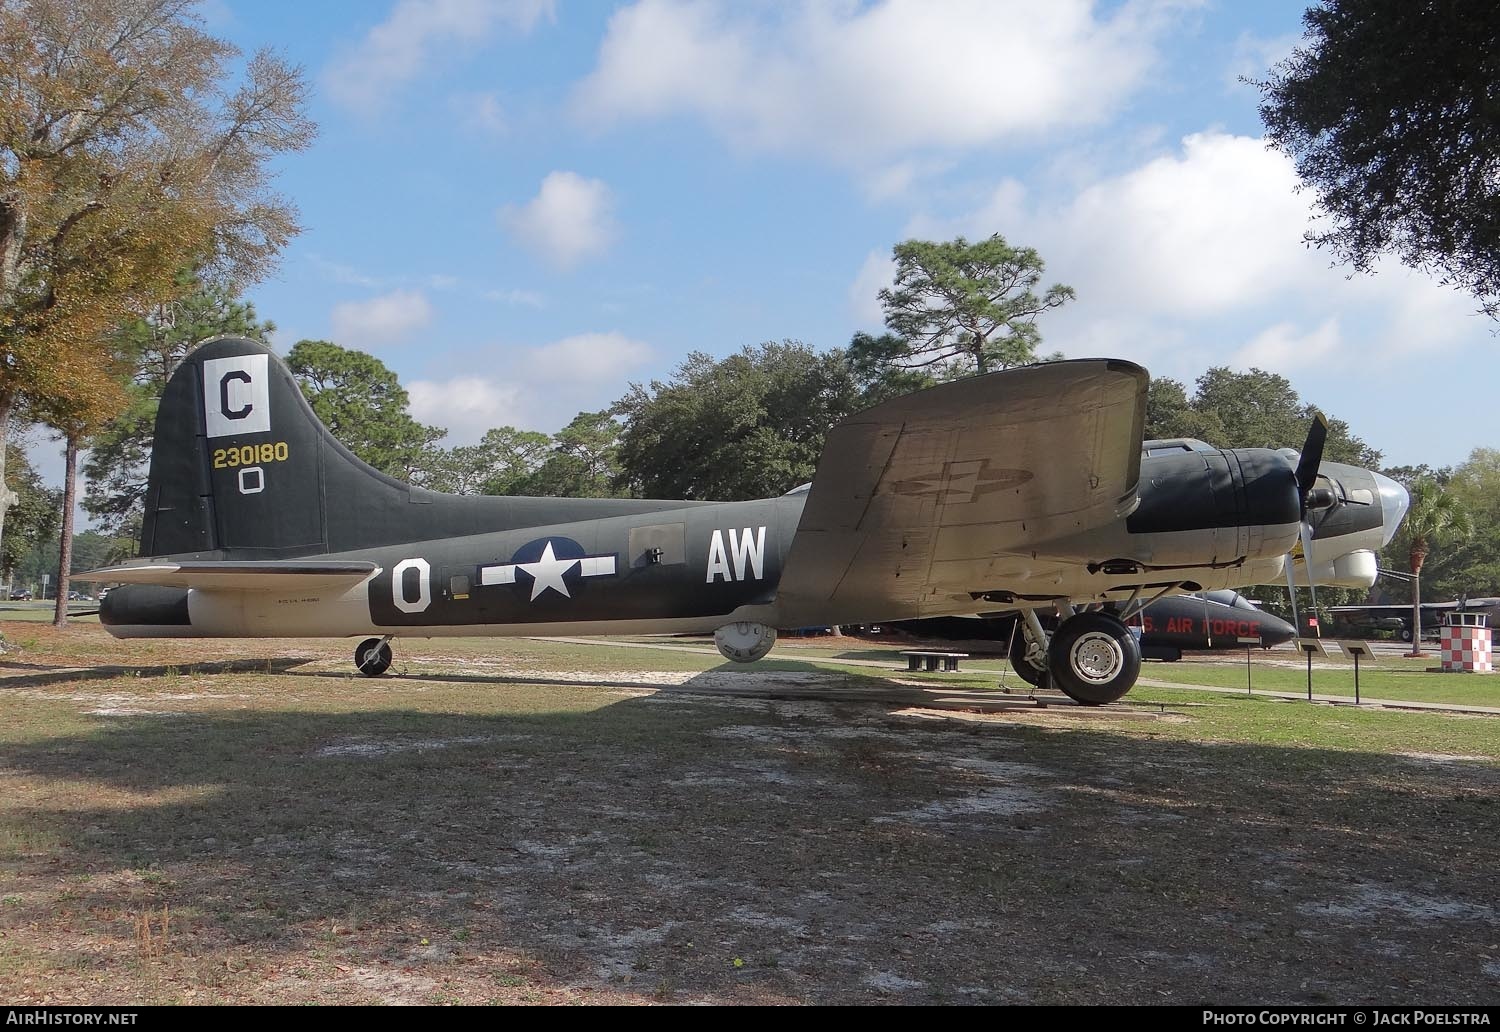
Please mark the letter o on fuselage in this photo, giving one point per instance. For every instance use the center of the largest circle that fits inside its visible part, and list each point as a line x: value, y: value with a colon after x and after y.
x: 424, y: 585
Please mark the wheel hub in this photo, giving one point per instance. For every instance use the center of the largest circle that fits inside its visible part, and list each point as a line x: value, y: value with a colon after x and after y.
x: 1096, y: 657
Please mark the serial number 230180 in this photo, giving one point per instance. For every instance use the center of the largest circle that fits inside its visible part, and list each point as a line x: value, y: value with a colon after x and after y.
x: 249, y: 455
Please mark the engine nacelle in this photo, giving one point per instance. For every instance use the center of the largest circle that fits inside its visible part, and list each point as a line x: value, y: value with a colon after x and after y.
x: 744, y: 642
x: 1352, y: 570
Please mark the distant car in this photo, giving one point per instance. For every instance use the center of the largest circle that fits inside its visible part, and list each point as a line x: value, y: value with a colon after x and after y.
x: 22, y: 596
x: 102, y: 593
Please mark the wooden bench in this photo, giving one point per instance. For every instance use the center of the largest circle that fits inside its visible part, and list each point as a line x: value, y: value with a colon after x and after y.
x: 914, y: 660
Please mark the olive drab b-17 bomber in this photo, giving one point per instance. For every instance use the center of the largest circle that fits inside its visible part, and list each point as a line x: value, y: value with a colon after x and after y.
x: 1023, y: 490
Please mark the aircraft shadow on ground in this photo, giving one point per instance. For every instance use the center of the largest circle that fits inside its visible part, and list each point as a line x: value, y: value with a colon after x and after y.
x: 648, y: 843
x: 46, y: 675
x: 759, y: 679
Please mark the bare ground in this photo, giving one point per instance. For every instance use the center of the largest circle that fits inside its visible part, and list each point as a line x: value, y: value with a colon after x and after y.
x: 511, y: 822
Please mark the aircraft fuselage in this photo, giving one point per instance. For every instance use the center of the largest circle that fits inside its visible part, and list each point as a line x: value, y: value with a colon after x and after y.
x: 700, y: 566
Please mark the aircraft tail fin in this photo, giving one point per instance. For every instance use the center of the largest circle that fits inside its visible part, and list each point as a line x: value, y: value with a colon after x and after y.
x: 242, y: 469
x: 241, y: 466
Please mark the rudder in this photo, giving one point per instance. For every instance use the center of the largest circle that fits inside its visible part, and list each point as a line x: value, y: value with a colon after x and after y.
x: 236, y: 468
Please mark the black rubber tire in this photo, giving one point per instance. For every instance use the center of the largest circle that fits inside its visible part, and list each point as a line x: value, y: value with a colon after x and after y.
x: 1094, y: 659
x: 1406, y: 634
x: 1024, y: 670
x: 373, y: 657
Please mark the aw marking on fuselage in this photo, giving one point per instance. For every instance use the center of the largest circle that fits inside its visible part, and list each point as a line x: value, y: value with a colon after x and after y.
x: 747, y: 554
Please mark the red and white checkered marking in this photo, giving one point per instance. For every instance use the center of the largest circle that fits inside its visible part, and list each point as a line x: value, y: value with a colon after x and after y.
x: 1467, y: 649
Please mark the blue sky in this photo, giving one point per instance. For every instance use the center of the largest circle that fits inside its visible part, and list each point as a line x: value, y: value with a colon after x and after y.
x: 522, y: 206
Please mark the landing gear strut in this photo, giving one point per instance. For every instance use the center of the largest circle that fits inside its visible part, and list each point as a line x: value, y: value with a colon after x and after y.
x: 1092, y: 658
x: 373, y: 657
x: 1028, y: 650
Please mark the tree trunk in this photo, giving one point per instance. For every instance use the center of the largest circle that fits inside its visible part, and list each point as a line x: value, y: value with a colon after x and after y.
x: 65, y: 550
x: 7, y: 402
x: 1416, y: 610
x: 7, y: 498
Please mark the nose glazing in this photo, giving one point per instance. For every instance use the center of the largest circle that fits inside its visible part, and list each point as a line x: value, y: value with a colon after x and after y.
x: 1394, y: 502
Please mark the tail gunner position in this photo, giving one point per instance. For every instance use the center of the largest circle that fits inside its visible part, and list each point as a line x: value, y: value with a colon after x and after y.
x: 1022, y: 490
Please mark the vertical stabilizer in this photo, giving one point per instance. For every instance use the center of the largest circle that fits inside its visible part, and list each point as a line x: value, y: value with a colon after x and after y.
x: 237, y: 468
x: 242, y: 469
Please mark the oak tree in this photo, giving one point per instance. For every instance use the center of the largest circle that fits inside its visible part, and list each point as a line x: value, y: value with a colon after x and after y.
x: 153, y: 347
x: 746, y: 426
x: 364, y: 406
x: 123, y: 159
x: 1389, y: 110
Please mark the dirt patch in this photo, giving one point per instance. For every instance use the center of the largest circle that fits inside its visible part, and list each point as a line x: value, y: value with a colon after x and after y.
x: 505, y: 825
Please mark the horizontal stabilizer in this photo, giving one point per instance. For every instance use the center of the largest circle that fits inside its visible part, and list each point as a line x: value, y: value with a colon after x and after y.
x: 238, y: 576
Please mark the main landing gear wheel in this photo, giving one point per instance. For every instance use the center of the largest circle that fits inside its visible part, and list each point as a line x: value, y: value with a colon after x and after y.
x: 1024, y: 668
x: 1094, y: 658
x: 373, y: 657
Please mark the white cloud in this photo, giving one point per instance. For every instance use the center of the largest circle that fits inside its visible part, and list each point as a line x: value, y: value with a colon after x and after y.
x: 542, y: 389
x: 895, y: 180
x: 380, y: 320
x: 338, y: 272
x: 1282, y: 348
x: 1255, y: 56
x: 514, y: 296
x: 482, y: 112
x: 1213, y: 234
x: 593, y: 357
x: 854, y: 81
x: 418, y: 33
x: 569, y: 220
x: 1217, y: 226
x: 467, y: 406
x: 878, y: 271
x: 1195, y: 258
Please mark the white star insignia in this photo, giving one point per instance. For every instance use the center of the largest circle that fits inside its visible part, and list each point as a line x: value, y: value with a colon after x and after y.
x: 547, y: 572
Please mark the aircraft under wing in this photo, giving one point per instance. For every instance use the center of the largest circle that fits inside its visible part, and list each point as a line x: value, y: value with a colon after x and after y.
x: 280, y: 575
x: 956, y: 489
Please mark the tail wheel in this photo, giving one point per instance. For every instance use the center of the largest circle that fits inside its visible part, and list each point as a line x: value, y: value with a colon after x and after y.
x: 373, y: 657
x: 1094, y: 659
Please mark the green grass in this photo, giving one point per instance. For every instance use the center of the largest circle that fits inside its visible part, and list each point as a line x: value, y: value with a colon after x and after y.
x: 42, y: 612
x: 1265, y: 720
x: 1405, y: 680
x: 1237, y: 718
x: 1384, y: 677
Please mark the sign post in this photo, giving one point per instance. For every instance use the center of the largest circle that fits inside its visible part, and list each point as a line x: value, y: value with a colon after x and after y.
x: 1356, y: 649
x: 1312, y: 647
x: 1248, y: 642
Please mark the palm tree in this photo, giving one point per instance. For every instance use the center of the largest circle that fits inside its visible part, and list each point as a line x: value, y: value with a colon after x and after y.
x: 1434, y: 515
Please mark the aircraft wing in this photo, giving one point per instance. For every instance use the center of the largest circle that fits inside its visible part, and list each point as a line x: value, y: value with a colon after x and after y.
x: 1395, y: 609
x: 958, y: 489
x: 273, y: 575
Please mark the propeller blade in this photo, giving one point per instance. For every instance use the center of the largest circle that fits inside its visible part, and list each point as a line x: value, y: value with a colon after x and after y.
x: 1312, y: 458
x: 1312, y: 589
x: 1291, y: 594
